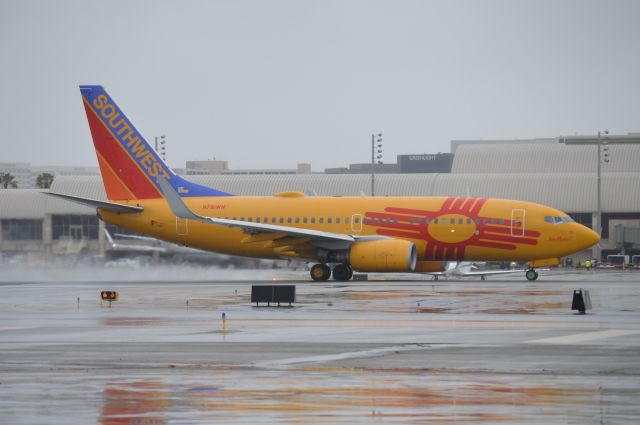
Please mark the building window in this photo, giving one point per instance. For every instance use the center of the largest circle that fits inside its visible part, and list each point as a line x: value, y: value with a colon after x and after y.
x: 22, y: 230
x: 74, y: 227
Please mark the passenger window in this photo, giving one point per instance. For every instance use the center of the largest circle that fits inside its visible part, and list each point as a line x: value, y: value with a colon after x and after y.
x: 288, y: 219
x: 411, y: 220
x: 266, y: 220
x: 435, y: 221
x: 257, y: 220
x: 329, y: 220
x: 337, y: 220
x: 321, y: 220
x: 478, y: 221
x: 501, y: 221
x: 281, y: 220
x: 313, y: 220
x: 493, y: 221
x: 468, y: 221
x: 426, y: 220
x: 395, y: 221
x: 486, y: 221
x: 304, y: 220
x: 356, y: 220
x: 347, y: 220
x: 444, y: 221
x: 297, y: 220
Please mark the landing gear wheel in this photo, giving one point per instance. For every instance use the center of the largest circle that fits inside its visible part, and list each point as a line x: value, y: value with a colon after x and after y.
x: 531, y: 274
x: 320, y: 272
x: 342, y: 272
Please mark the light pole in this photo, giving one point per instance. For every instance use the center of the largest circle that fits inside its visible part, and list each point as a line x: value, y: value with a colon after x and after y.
x: 599, y: 196
x: 376, y: 156
x: 161, y: 148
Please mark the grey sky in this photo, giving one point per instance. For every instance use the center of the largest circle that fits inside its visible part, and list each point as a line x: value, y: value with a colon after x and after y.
x: 267, y: 84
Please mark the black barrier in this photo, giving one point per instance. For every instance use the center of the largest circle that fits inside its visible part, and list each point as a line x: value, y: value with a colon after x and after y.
x: 581, y: 301
x: 273, y: 294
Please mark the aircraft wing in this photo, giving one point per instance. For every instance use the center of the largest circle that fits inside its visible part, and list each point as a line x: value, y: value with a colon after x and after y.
x: 181, y: 210
x: 94, y: 203
x: 491, y: 272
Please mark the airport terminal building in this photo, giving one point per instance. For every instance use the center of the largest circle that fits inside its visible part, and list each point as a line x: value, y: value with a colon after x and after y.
x: 541, y: 170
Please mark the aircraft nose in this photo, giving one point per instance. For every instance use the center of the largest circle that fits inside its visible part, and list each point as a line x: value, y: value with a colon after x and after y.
x: 588, y: 237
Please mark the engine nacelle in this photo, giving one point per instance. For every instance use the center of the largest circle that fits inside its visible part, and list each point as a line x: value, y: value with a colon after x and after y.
x: 387, y: 255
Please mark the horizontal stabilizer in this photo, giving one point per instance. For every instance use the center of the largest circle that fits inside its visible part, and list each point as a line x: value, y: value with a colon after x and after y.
x: 94, y: 203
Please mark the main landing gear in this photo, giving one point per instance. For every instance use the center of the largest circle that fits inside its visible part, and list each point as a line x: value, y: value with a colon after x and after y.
x: 531, y: 274
x: 322, y: 272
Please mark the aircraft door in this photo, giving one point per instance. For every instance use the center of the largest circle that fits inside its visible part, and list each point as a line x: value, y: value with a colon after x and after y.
x: 517, y: 222
x: 356, y: 223
x: 182, y: 226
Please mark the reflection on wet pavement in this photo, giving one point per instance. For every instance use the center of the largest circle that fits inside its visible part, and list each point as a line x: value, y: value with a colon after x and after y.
x: 315, y: 395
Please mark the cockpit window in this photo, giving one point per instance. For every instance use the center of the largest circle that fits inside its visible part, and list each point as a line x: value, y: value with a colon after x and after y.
x: 558, y: 220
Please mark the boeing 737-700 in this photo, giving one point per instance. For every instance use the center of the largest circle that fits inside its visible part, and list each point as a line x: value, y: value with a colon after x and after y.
x: 339, y: 234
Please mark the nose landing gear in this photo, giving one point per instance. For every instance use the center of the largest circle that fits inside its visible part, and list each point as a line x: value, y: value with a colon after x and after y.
x: 531, y: 274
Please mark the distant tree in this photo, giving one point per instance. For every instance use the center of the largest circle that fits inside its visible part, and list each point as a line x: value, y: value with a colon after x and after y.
x: 8, y: 181
x: 44, y: 180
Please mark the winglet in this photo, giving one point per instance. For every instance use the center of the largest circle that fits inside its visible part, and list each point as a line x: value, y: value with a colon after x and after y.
x: 175, y: 202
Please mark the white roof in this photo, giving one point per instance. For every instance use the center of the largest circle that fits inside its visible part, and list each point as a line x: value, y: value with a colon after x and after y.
x: 543, y: 157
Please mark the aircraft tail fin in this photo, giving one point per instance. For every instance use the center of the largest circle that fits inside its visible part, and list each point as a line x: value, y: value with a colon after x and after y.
x: 128, y: 164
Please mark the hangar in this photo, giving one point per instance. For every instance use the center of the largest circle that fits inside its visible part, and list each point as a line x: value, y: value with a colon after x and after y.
x: 539, y: 170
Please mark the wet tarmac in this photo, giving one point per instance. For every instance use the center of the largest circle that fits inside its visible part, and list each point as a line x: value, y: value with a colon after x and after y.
x: 503, y: 350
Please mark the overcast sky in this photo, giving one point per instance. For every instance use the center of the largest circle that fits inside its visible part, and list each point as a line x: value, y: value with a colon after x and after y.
x: 268, y: 84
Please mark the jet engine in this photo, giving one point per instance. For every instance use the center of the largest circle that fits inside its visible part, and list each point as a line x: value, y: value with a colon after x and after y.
x: 388, y: 255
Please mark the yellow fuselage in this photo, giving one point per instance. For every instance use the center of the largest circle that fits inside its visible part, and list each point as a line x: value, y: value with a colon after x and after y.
x: 446, y: 229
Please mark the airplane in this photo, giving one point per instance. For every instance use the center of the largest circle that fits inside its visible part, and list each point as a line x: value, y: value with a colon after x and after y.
x: 141, y: 248
x: 457, y: 269
x: 339, y: 235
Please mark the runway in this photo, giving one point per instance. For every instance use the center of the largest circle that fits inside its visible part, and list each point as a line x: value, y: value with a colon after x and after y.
x: 503, y: 350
